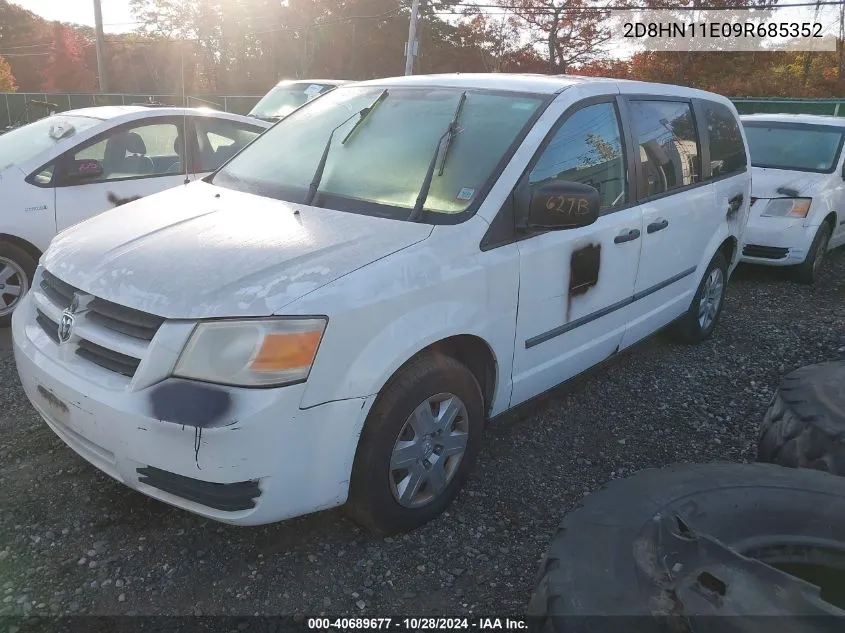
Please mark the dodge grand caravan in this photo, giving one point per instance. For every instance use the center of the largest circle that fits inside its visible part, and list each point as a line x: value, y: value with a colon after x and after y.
x: 332, y: 317
x: 798, y: 192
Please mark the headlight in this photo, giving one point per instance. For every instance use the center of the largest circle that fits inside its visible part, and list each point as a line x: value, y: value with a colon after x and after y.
x: 787, y: 208
x: 252, y: 353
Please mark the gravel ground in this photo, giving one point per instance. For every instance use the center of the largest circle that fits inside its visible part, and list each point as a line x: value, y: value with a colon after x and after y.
x: 73, y: 541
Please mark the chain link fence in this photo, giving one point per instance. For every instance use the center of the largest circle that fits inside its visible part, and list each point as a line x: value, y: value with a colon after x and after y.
x: 15, y: 106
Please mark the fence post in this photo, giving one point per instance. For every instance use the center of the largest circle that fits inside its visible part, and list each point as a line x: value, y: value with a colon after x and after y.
x: 8, y: 112
x: 836, y: 109
x: 225, y: 103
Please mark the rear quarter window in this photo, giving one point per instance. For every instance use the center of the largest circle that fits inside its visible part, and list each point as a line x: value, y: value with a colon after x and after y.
x: 727, y: 149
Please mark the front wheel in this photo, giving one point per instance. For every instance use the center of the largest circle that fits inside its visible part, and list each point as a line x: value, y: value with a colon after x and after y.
x: 17, y: 268
x: 418, y: 446
x: 700, y: 320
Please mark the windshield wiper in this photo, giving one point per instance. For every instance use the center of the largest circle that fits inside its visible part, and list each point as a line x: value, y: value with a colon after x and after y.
x: 364, y: 114
x: 449, y: 134
x: 321, y: 166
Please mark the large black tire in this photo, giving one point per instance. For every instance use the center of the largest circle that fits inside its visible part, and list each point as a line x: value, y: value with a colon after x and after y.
x: 26, y: 263
x: 643, y: 549
x: 805, y: 424
x: 808, y: 271
x: 371, y: 500
x: 688, y: 329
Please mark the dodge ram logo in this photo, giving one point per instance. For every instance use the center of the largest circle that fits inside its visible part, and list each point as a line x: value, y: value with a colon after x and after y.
x: 66, y: 322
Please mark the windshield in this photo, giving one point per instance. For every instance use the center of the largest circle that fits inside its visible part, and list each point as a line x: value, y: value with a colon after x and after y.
x: 794, y: 146
x: 26, y: 142
x: 380, y: 168
x: 285, y: 98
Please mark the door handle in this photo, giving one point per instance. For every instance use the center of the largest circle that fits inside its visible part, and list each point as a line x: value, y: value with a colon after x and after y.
x: 654, y: 227
x: 734, y: 204
x: 628, y: 236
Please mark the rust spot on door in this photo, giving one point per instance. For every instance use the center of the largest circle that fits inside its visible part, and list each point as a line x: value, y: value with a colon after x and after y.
x: 583, y: 272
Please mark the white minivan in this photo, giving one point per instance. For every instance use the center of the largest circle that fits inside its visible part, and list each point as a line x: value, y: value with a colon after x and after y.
x: 333, y: 316
x: 798, y: 192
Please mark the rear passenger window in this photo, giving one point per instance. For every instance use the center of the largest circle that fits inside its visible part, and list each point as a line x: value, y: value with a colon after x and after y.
x: 727, y: 151
x: 668, y: 145
x: 587, y: 149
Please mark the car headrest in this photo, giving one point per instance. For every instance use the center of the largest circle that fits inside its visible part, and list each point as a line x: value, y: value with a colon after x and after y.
x: 135, y: 144
x: 178, y: 145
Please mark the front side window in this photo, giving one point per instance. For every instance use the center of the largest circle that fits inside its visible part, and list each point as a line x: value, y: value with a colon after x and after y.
x: 379, y: 167
x: 220, y: 139
x: 793, y: 146
x: 668, y: 145
x: 727, y: 149
x: 153, y: 149
x: 587, y: 149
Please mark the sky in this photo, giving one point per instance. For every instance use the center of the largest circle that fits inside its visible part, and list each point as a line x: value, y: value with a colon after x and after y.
x: 116, y: 14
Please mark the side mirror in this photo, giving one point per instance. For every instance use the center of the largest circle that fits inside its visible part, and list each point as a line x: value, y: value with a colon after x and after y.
x: 562, y: 204
x: 83, y: 169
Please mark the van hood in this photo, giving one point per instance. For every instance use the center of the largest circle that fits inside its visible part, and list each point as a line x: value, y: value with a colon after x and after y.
x: 200, y: 251
x: 765, y: 183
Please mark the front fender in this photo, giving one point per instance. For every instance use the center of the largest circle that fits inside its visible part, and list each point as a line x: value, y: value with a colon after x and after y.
x: 389, y: 311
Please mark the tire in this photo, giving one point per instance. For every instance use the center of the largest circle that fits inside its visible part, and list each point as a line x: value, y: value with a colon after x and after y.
x: 374, y: 494
x: 689, y: 328
x: 670, y: 543
x: 21, y: 265
x: 808, y: 271
x: 805, y: 424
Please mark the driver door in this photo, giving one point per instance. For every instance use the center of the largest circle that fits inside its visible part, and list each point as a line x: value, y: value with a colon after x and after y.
x: 137, y: 159
x: 576, y: 285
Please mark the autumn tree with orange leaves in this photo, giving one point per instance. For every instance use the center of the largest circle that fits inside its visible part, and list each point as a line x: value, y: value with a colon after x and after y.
x: 65, y: 70
x: 7, y: 79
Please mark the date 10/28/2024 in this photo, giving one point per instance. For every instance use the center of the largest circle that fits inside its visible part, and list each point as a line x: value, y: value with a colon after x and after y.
x: 416, y: 624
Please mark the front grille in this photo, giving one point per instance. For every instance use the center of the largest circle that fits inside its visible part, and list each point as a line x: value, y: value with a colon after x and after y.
x: 104, y: 357
x: 50, y: 327
x: 765, y: 252
x: 100, y: 321
x: 227, y: 497
x: 118, y: 318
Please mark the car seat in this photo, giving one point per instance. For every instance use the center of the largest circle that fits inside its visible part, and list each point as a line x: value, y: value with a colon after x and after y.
x: 125, y: 155
x: 179, y: 150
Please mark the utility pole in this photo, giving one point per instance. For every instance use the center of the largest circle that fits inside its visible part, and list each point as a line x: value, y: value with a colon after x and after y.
x: 412, y: 45
x: 100, y: 46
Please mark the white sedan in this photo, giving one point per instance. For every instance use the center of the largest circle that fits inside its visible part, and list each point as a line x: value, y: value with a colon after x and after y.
x: 67, y: 167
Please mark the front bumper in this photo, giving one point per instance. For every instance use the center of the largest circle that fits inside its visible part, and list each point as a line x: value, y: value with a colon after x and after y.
x: 776, y: 241
x: 270, y: 461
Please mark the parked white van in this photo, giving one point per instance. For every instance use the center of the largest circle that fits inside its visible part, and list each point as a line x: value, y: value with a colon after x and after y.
x: 333, y: 316
x: 798, y: 192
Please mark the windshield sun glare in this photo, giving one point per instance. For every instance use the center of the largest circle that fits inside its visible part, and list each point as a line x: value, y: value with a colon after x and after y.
x: 380, y: 169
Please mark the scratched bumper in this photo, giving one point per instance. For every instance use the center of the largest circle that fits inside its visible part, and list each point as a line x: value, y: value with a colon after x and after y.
x: 777, y: 233
x: 298, y: 461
